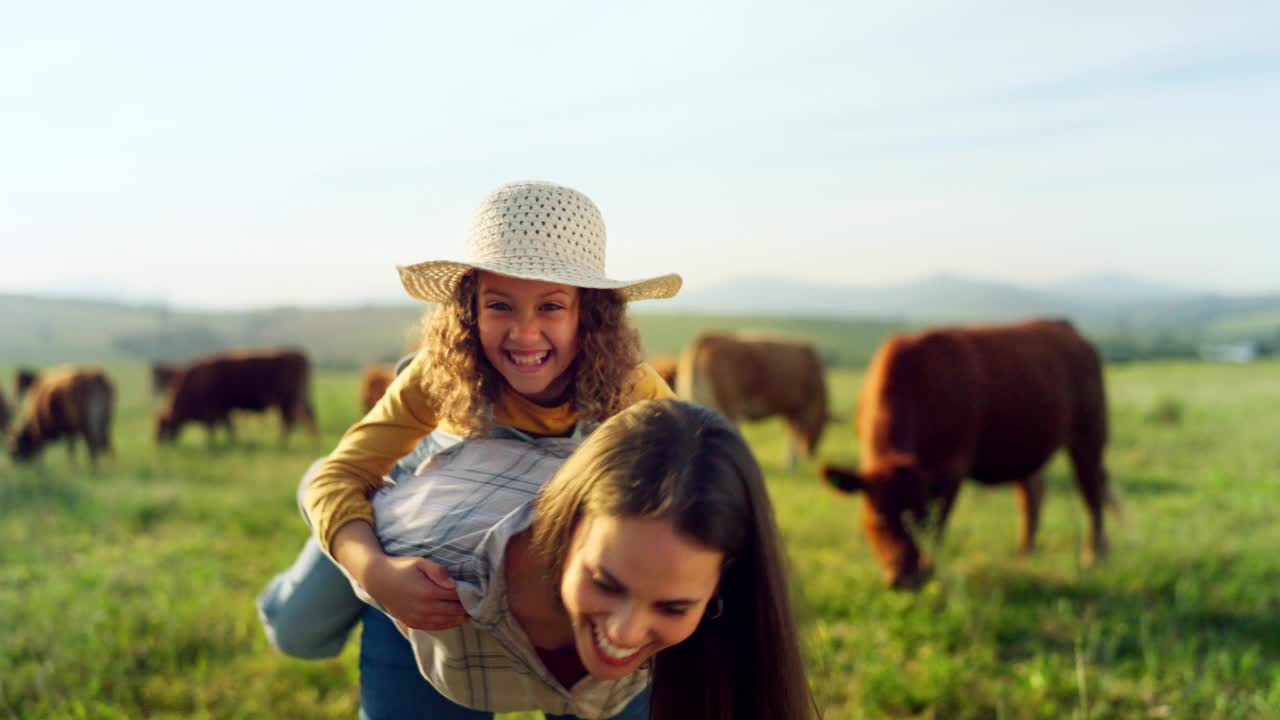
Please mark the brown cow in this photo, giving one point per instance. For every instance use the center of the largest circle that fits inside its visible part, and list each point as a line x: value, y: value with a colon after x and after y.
x: 66, y: 403
x: 666, y: 366
x: 162, y: 376
x: 377, y: 376
x: 751, y: 377
x: 210, y: 387
x: 990, y: 403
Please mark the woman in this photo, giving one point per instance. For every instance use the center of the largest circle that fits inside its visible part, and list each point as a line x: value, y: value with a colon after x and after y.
x: 650, y: 558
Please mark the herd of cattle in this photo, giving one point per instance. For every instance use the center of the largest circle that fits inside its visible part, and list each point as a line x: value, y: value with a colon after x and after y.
x: 71, y: 403
x: 989, y: 403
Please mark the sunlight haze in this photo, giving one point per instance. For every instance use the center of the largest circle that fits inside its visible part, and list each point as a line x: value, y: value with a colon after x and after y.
x: 247, y: 154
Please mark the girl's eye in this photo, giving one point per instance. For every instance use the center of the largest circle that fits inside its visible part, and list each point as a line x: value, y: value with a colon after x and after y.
x: 673, y: 611
x: 547, y: 307
x: 501, y: 306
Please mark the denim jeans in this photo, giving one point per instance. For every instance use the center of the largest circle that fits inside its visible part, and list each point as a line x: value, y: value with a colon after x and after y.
x: 391, y: 688
x: 309, y: 610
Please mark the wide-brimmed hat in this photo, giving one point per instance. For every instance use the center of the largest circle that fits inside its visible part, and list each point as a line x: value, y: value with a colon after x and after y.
x: 536, y: 231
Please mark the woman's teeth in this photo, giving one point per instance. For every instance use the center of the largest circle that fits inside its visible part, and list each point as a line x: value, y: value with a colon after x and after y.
x: 609, y: 649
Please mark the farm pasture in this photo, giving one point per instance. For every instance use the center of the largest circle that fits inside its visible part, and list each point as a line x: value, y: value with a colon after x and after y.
x: 130, y: 593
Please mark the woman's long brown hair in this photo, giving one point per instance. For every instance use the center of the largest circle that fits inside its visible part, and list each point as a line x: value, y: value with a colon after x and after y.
x: 689, y: 465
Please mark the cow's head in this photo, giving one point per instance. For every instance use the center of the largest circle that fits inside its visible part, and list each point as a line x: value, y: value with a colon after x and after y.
x: 162, y: 377
x: 24, y: 443
x: 894, y: 493
x: 25, y: 379
x: 166, y: 427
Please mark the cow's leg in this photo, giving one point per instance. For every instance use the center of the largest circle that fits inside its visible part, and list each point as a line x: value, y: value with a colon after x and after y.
x: 793, y: 454
x: 948, y: 490
x: 1091, y: 478
x: 287, y: 411
x: 1030, y: 499
x: 309, y: 414
x: 71, y: 449
x: 798, y: 444
x: 806, y: 428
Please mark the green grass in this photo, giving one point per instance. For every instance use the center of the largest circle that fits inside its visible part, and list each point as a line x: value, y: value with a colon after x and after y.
x: 129, y: 593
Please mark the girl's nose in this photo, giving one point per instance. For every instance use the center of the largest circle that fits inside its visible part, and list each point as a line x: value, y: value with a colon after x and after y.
x: 526, y: 329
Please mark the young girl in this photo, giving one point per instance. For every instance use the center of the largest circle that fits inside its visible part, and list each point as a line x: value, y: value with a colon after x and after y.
x: 650, y: 558
x: 529, y: 334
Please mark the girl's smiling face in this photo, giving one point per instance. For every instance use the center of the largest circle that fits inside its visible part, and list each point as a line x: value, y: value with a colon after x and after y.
x: 529, y: 332
x: 633, y: 586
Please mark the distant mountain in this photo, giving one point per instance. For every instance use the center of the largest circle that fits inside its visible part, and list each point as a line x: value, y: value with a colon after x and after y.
x: 941, y: 297
x: 42, y: 331
x: 932, y: 297
x: 55, y: 330
x: 1129, y: 317
x: 1123, y: 288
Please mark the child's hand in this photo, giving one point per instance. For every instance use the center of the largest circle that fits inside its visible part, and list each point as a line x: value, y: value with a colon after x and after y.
x: 417, y: 592
x: 413, y: 590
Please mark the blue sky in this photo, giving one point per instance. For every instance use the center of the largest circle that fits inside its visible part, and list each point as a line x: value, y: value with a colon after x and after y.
x: 253, y: 153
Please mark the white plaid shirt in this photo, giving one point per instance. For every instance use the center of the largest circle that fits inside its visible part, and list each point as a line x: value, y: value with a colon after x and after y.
x: 460, y: 510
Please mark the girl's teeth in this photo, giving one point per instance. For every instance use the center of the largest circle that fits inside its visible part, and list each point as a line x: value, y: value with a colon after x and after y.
x: 609, y: 648
x: 528, y: 359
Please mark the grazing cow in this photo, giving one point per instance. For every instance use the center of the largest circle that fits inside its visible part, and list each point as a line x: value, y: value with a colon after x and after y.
x: 210, y: 387
x: 754, y: 376
x: 24, y: 380
x: 666, y: 366
x: 162, y: 376
x: 989, y: 403
x: 66, y: 403
x: 373, y: 384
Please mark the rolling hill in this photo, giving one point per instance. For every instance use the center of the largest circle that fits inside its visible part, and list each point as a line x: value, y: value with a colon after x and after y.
x: 1127, y: 317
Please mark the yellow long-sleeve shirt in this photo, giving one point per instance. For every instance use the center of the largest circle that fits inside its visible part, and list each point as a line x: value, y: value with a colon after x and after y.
x: 339, y: 492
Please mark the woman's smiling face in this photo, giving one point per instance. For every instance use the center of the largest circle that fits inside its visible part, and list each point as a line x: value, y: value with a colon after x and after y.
x: 633, y: 586
x: 529, y: 332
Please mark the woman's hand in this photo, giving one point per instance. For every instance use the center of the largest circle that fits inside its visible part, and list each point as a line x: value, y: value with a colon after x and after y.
x: 415, y: 591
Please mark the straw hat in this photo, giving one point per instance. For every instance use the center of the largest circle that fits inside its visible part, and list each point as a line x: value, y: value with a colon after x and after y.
x: 536, y: 231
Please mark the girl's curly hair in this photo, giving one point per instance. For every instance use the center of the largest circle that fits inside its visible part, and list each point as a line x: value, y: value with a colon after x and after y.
x: 464, y: 385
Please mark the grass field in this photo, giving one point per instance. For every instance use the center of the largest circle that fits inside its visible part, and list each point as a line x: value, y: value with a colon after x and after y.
x: 129, y: 593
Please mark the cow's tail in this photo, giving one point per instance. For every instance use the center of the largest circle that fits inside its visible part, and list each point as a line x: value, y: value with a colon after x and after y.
x: 843, y: 479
